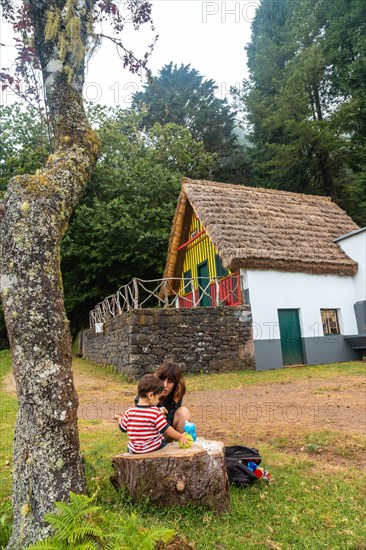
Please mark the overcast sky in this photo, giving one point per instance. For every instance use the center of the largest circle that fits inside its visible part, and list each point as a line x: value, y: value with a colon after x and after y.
x: 209, y: 35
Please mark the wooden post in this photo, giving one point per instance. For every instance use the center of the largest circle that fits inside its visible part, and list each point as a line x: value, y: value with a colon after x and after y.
x: 118, y: 303
x: 127, y: 299
x: 193, y: 293
x: 174, y: 476
x: 241, y: 284
x: 136, y: 293
x: 165, y: 294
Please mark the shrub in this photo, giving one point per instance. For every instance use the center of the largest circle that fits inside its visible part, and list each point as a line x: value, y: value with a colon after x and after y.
x: 81, y: 525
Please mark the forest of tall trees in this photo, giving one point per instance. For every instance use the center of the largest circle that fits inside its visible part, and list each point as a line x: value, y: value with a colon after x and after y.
x: 305, y: 100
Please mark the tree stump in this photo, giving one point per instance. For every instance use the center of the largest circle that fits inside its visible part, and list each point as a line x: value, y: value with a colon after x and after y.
x: 174, y: 476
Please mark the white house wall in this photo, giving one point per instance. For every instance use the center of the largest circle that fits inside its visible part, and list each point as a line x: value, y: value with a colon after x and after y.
x: 273, y: 290
x: 355, y: 247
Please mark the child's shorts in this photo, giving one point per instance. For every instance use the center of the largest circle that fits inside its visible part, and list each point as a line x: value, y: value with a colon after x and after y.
x: 163, y: 443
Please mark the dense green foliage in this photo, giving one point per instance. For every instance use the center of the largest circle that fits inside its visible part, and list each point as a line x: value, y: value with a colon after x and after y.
x: 121, y: 228
x: 306, y: 99
x: 81, y: 524
x: 24, y: 143
x: 182, y: 96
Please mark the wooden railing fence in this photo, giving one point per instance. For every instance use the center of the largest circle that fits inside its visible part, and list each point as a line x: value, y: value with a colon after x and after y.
x: 140, y: 293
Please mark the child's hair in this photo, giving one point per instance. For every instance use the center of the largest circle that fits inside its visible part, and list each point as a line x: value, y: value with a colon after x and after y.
x: 173, y: 372
x: 150, y: 383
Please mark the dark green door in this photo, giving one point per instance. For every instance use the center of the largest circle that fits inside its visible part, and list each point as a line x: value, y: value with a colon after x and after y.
x: 290, y: 333
x: 203, y: 282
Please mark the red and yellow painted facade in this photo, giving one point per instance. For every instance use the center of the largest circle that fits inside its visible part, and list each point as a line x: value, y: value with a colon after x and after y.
x: 202, y: 268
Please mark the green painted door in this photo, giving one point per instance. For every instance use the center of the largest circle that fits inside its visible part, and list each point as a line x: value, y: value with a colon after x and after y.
x: 290, y: 333
x: 203, y: 282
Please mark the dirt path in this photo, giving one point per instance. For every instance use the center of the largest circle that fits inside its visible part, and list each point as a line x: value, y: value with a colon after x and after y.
x: 279, y: 413
x: 337, y: 404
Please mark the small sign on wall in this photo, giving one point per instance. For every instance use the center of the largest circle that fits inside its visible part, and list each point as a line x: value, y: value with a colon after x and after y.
x: 99, y: 327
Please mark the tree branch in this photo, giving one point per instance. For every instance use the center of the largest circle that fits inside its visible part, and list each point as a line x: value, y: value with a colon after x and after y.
x: 130, y: 56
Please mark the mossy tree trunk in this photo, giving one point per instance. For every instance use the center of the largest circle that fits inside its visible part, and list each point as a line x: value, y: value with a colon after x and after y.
x: 36, y: 210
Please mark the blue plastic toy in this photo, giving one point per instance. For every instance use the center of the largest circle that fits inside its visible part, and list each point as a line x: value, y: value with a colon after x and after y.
x: 190, y: 428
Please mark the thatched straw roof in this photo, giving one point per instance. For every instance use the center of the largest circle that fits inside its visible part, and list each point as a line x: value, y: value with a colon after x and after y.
x: 260, y: 228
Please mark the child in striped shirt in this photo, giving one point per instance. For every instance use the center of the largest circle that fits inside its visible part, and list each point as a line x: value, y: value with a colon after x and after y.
x: 145, y: 423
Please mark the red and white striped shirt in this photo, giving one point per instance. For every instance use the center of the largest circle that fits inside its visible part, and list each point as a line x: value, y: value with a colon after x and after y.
x: 144, y: 425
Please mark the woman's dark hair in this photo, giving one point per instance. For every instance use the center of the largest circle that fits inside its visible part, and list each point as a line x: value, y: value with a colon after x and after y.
x: 149, y: 383
x: 172, y: 372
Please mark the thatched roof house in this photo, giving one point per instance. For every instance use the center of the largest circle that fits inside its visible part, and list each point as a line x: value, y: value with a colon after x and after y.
x: 264, y: 229
x: 298, y: 261
x: 257, y: 277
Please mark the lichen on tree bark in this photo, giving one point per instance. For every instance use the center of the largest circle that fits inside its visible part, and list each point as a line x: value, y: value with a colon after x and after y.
x: 47, y: 459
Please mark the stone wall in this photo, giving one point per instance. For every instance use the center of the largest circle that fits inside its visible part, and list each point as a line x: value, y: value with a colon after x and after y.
x: 200, y: 340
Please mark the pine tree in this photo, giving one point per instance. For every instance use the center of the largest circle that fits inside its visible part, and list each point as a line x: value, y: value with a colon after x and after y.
x: 180, y: 95
x: 300, y: 61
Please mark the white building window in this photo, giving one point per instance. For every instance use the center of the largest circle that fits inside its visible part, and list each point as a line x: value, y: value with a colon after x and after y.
x: 330, y: 321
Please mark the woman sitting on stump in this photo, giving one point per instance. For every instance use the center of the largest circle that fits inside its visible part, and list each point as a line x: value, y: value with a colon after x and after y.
x: 171, y: 399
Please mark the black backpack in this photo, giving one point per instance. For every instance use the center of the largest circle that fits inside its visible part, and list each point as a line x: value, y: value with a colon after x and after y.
x: 237, y: 458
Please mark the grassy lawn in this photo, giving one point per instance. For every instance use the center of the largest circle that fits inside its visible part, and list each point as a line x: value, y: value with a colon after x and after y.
x: 228, y: 380
x: 231, y: 380
x: 309, y: 505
